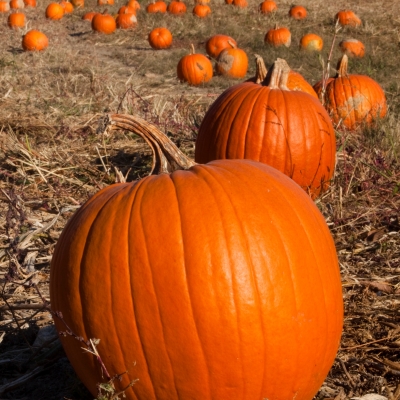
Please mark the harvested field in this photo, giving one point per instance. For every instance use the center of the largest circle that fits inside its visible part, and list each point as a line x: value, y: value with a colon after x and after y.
x: 52, y: 161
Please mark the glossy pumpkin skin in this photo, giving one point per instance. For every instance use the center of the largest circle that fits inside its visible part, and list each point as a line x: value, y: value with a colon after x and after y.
x: 176, y: 7
x: 311, y: 42
x: 215, y: 44
x: 34, y: 41
x: 352, y: 47
x: 201, y: 10
x: 160, y: 38
x: 194, y: 69
x: 218, y: 295
x: 104, y: 23
x: 156, y: 7
x: 298, y: 12
x: 278, y: 37
x: 289, y: 130
x: 354, y: 100
x: 297, y: 82
x: 268, y: 7
x: 16, y: 20
x: 54, y: 11
x: 232, y: 62
x: 348, y: 18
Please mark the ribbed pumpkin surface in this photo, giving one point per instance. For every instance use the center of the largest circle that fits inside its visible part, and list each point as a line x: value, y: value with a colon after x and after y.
x: 289, y: 130
x: 220, y: 282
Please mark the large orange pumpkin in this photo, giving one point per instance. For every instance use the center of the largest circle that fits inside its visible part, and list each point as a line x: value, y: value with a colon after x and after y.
x: 160, y: 38
x: 353, y: 100
x: 267, y: 122
x: 194, y: 69
x: 34, y: 41
x: 104, y: 23
x: 215, y: 44
x: 220, y: 282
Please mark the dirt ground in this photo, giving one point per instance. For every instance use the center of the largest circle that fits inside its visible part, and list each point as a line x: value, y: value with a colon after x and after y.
x: 51, y: 161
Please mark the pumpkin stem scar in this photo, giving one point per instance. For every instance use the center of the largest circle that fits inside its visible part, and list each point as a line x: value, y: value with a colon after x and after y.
x: 166, y: 156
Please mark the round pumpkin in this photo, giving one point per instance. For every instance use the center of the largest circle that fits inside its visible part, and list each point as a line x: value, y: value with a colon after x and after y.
x: 160, y: 38
x: 4, y: 6
x: 353, y: 100
x: 220, y: 282
x: 176, y: 7
x: 232, y: 62
x: 352, y: 47
x: 157, y: 7
x: 34, y: 41
x: 215, y: 44
x: 267, y: 122
x: 201, y: 10
x: 348, y: 18
x: 30, y: 3
x: 17, y: 4
x: 194, y: 69
x: 16, y: 20
x: 89, y: 16
x: 278, y: 37
x: 68, y: 7
x: 298, y: 12
x: 311, y: 42
x: 104, y: 23
x: 54, y: 11
x: 126, y: 20
x: 268, y: 7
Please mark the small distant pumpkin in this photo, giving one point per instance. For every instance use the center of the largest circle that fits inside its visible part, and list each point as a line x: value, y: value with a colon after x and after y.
x: 352, y: 47
x: 160, y: 38
x: 267, y: 7
x: 215, y: 44
x: 278, y: 37
x: 298, y: 12
x: 104, y: 23
x: 311, y: 42
x: 30, y: 3
x: 176, y: 7
x: 195, y: 69
x: 68, y: 7
x: 157, y: 7
x: 348, y: 18
x: 127, y: 9
x: 34, y: 41
x: 89, y: 16
x: 105, y: 2
x: 201, y: 10
x: 232, y: 62
x: 17, y: 4
x: 240, y: 3
x: 16, y: 20
x: 4, y: 6
x: 78, y: 3
x: 126, y: 20
x: 54, y: 11
x: 133, y: 4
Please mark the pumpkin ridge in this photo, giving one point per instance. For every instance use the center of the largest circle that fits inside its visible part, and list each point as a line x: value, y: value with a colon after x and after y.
x: 195, y: 323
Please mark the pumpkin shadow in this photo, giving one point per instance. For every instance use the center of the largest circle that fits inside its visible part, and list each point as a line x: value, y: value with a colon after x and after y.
x: 78, y: 34
x: 15, y: 50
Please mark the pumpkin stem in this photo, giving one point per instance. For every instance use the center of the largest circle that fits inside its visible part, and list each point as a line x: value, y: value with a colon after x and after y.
x: 342, y: 66
x: 192, y: 51
x: 167, y: 157
x: 277, y: 76
x: 261, y: 69
x: 231, y: 44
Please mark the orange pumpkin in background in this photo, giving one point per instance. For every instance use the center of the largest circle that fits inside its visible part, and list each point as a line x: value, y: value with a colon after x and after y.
x: 30, y: 3
x: 201, y: 10
x: 17, y: 4
x: 68, y: 7
x: 133, y: 4
x: 268, y: 7
x: 160, y: 38
x: 16, y: 20
x: 215, y: 44
x: 348, y: 18
x: 104, y: 23
x: 251, y: 120
x: 126, y: 20
x: 278, y: 37
x: 311, y: 42
x: 352, y: 48
x: 194, y: 69
x: 34, y: 41
x: 298, y: 12
x: 4, y: 6
x: 240, y: 3
x: 127, y: 9
x: 176, y: 7
x: 54, y: 11
x: 157, y: 7
x: 89, y: 16
x: 78, y: 3
x: 232, y: 62
x: 353, y: 100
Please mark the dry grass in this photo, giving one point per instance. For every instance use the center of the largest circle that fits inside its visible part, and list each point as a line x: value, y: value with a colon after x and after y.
x: 51, y: 161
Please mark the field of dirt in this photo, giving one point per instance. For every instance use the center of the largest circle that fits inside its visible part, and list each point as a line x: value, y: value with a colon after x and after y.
x: 52, y: 161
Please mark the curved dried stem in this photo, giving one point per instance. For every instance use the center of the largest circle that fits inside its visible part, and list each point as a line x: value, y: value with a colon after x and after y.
x: 261, y: 69
x: 278, y: 75
x: 167, y: 157
x: 342, y: 66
